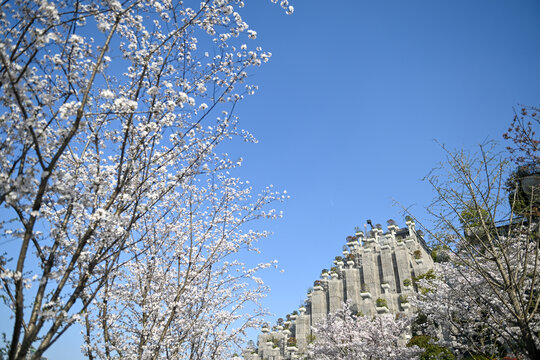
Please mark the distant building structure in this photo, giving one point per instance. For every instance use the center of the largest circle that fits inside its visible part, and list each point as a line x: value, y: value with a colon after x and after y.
x: 375, y: 273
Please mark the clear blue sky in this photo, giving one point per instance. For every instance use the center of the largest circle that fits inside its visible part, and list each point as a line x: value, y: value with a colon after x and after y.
x: 350, y: 105
x: 352, y: 101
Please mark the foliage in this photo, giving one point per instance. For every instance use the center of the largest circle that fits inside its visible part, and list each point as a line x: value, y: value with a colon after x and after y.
x: 473, y: 216
x: 380, y: 302
x: 407, y: 282
x: 523, y: 197
x: 417, y: 254
x: 124, y: 213
x: 440, y: 253
x: 345, y: 336
x: 291, y: 341
x: 431, y: 350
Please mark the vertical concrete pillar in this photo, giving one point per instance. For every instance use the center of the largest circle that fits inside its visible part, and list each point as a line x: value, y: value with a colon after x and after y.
x: 388, y: 268
x: 402, y: 263
x: 352, y: 286
x: 303, y: 330
x: 318, y: 305
x: 335, y: 294
x: 371, y: 273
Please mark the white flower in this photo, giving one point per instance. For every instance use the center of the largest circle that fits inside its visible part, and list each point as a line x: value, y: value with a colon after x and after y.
x: 152, y: 91
x: 76, y: 39
x: 125, y: 105
x: 182, y: 97
x: 107, y: 94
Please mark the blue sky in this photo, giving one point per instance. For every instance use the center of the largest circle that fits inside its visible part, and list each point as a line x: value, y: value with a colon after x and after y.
x: 352, y: 102
x: 349, y: 107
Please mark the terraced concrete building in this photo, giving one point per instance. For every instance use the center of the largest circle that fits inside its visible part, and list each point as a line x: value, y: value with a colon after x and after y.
x: 375, y: 274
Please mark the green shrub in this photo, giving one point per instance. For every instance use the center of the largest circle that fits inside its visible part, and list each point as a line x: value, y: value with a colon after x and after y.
x: 407, y: 282
x: 381, y: 303
x: 431, y: 351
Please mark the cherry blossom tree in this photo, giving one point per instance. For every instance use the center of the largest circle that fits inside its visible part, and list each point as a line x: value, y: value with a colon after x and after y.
x: 112, y: 114
x: 179, y: 297
x: 347, y: 336
x: 485, y: 299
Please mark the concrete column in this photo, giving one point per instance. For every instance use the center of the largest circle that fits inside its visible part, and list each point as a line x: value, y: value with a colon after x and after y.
x: 303, y: 330
x: 388, y: 269
x: 352, y: 286
x: 318, y: 305
x: 402, y: 263
x: 335, y: 294
x: 371, y: 273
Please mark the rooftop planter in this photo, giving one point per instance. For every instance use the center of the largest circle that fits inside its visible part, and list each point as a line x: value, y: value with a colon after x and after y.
x: 380, y: 302
x: 324, y: 276
x: 385, y: 286
x: 370, y: 238
x: 403, y: 299
x: 291, y: 341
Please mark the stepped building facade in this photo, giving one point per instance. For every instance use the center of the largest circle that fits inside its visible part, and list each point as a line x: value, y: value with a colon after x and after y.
x: 375, y: 274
